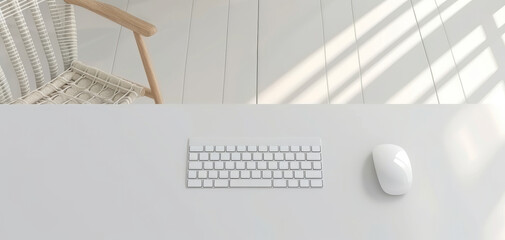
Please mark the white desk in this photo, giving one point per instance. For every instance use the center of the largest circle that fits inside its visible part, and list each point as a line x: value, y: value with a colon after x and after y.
x: 122, y: 175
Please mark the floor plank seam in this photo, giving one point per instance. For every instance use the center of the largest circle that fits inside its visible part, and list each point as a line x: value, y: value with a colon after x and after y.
x: 257, y: 50
x: 187, y: 51
x: 117, y: 42
x: 425, y: 51
x: 226, y: 50
x: 450, y: 48
x: 325, y: 56
x: 357, y: 52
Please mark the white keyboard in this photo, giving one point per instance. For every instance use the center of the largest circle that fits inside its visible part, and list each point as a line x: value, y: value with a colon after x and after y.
x: 254, y: 163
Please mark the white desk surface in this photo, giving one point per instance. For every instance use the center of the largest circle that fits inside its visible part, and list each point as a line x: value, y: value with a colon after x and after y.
x: 119, y: 173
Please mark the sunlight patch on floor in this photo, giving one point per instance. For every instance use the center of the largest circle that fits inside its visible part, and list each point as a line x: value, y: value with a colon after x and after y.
x: 423, y: 10
x: 477, y: 72
x: 414, y: 90
x: 499, y: 17
x: 441, y: 70
x: 469, y: 43
x: 387, y: 37
x: 453, y: 9
x: 384, y: 39
x: 294, y: 79
x: 495, y: 95
x: 379, y: 13
x: 334, y: 49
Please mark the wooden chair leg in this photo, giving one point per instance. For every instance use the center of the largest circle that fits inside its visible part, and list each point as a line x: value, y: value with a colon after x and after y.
x: 148, y: 67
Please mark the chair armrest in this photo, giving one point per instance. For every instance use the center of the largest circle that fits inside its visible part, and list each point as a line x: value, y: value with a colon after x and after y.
x: 117, y: 15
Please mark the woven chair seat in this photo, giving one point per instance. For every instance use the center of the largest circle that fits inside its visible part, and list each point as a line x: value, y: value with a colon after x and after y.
x: 81, y: 84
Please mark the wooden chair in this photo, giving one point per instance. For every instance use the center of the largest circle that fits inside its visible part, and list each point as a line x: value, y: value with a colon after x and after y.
x: 77, y: 83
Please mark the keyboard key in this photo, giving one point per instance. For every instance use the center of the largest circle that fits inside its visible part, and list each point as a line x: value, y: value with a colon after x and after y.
x: 219, y: 148
x: 256, y: 174
x: 251, y: 148
x: 195, y: 165
x: 235, y: 156
x: 272, y: 165
x: 251, y: 183
x: 213, y: 174
x: 316, y: 148
x: 300, y: 156
x: 257, y: 156
x: 202, y: 174
x: 196, y: 148
x: 279, y: 156
x: 241, y: 148
x: 268, y: 156
x: 240, y: 165
x: 230, y: 148
x: 316, y: 183
x: 304, y: 183
x: 305, y: 148
x: 246, y: 156
x: 194, y: 183
x: 208, y: 165
x: 229, y: 165
x: 284, y: 148
x: 294, y: 165
x: 277, y: 174
x: 209, y: 148
x: 220, y: 183
x: 214, y: 156
x: 306, y: 165
x: 191, y: 174
x: 313, y: 156
x: 193, y: 156
x: 267, y: 174
x: 295, y: 148
x: 245, y: 174
x: 280, y: 183
x: 234, y: 174
x: 288, y: 174
x: 313, y: 174
x: 317, y: 165
x: 292, y: 183
x: 251, y: 165
x: 298, y: 174
x: 207, y: 183
x: 290, y: 156
x: 283, y: 165
x: 262, y: 148
x: 225, y: 156
x: 219, y: 165
x: 273, y: 148
x: 262, y: 165
x: 223, y: 174
x: 204, y: 156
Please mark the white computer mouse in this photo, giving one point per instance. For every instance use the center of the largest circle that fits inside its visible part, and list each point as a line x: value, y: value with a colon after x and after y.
x: 393, y: 169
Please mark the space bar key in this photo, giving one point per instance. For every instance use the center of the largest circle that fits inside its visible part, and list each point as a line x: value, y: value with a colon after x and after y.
x: 251, y: 183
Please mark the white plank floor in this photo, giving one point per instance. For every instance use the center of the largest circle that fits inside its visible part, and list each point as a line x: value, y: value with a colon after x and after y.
x: 310, y: 51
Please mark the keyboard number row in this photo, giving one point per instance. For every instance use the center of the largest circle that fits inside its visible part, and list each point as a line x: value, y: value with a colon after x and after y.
x: 243, y: 148
x: 255, y: 156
